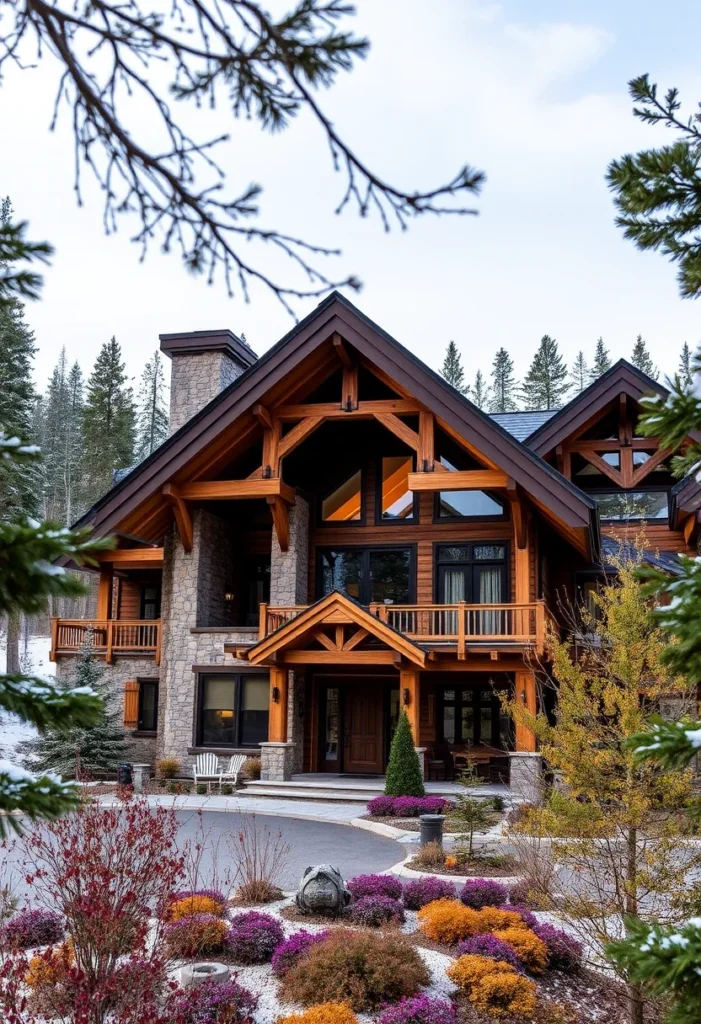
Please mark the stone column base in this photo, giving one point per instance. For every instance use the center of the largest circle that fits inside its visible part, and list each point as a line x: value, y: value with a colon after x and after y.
x: 526, y: 776
x: 276, y: 761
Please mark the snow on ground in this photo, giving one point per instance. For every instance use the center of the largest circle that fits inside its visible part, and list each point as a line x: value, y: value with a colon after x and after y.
x: 35, y: 661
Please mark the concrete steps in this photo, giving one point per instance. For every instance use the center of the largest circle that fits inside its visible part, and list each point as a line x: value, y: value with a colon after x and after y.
x: 347, y: 789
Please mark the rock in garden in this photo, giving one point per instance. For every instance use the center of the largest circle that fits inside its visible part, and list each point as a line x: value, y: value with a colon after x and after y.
x: 322, y: 891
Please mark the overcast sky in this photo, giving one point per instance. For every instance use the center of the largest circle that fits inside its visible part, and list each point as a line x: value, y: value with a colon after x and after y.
x: 533, y: 92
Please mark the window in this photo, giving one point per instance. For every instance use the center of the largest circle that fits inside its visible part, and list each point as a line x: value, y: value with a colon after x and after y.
x: 368, y: 575
x: 233, y: 710
x: 475, y: 573
x: 257, y: 584
x: 344, y: 503
x: 466, y: 504
x: 148, y: 705
x: 150, y: 601
x: 625, y: 505
x: 472, y: 716
x: 396, y: 501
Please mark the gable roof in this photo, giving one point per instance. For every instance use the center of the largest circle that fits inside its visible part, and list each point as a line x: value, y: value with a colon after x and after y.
x: 621, y: 378
x: 562, y: 501
x: 522, y: 423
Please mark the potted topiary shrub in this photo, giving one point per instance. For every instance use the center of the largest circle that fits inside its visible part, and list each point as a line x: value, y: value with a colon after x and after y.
x: 404, y: 776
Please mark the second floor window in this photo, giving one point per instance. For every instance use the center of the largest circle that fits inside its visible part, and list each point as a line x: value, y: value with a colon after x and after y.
x: 475, y: 573
x: 368, y: 575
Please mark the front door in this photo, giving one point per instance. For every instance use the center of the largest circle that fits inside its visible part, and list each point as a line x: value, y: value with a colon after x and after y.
x: 363, y: 729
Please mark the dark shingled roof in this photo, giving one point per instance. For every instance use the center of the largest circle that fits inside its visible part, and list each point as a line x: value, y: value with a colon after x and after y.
x: 522, y: 424
x: 667, y: 561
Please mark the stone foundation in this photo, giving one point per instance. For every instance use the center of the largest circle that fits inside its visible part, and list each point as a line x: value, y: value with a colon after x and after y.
x: 526, y: 776
x: 277, y: 761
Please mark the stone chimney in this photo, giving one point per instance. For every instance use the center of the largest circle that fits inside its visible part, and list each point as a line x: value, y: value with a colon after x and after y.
x: 204, y: 363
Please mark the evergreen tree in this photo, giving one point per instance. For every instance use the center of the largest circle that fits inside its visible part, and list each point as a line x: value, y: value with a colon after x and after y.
x: 80, y: 752
x: 685, y: 372
x: 108, y: 421
x: 152, y: 415
x: 641, y: 358
x: 503, y: 383
x: 602, y: 360
x: 479, y: 394
x: 452, y: 368
x: 53, y: 441
x: 404, y: 776
x: 16, y: 281
x: 545, y: 384
x: 580, y: 373
x: 73, y: 456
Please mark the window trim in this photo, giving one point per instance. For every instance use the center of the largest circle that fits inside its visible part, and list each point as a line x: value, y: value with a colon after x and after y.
x: 505, y: 564
x: 238, y: 677
x: 473, y: 688
x: 411, y: 520
x: 367, y: 548
x: 140, y: 712
x: 335, y: 524
x: 659, y: 488
x: 503, y: 518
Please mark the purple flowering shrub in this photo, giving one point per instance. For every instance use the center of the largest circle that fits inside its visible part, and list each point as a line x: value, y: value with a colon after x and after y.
x: 381, y: 807
x: 419, y: 1010
x: 491, y: 946
x: 564, y: 952
x: 291, y: 950
x: 483, y: 892
x: 209, y: 1003
x: 427, y: 889
x: 373, y: 911
x: 375, y: 885
x: 254, y: 937
x: 407, y: 806
x: 529, y: 919
x: 31, y: 928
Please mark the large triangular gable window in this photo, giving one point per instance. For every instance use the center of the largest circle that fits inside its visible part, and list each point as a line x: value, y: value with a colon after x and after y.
x: 344, y: 504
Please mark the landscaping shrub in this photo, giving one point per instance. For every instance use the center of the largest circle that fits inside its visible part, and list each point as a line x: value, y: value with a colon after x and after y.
x: 525, y: 893
x: 251, y: 768
x: 201, y: 789
x: 227, y: 789
x: 196, y: 935
x: 375, y: 885
x: 51, y: 966
x: 360, y: 968
x: 183, y: 894
x: 381, y: 806
x: 171, y: 787
x: 419, y: 1010
x: 449, y: 921
x: 253, y: 937
x: 260, y: 857
x: 373, y: 911
x: 491, y: 946
x: 483, y: 892
x: 209, y: 1003
x: 531, y: 951
x: 31, y: 928
x: 196, y: 904
x: 421, y: 891
x: 168, y: 768
x: 492, y: 919
x: 413, y: 806
x: 494, y: 986
x: 323, y: 1013
x: 564, y: 951
x: 429, y: 856
x: 529, y: 919
x: 290, y: 951
x: 404, y: 776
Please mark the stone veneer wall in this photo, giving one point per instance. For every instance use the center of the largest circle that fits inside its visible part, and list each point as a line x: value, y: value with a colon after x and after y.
x: 215, y: 570
x: 289, y: 570
x: 196, y: 379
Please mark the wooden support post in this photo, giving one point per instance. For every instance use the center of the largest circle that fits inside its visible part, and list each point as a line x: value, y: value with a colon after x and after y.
x: 426, y: 442
x: 183, y: 519
x: 409, y: 687
x: 522, y: 553
x: 525, y: 695
x: 461, y: 631
x: 159, y: 633
x: 277, y: 719
x: 109, y: 642
x: 281, y: 521
x: 262, y: 621
x: 564, y: 461
x: 54, y: 639
x: 540, y: 626
x: 104, y: 593
x: 271, y: 450
x: 349, y: 389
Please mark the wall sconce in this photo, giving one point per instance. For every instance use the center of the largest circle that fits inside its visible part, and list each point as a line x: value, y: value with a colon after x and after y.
x: 229, y: 597
x: 275, y: 694
x: 523, y: 696
x: 406, y: 697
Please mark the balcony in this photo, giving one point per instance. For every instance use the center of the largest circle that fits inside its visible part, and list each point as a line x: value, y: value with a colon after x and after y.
x: 135, y: 637
x: 449, y: 627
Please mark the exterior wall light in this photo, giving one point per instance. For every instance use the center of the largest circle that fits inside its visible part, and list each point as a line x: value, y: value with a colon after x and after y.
x: 275, y: 694
x: 406, y: 697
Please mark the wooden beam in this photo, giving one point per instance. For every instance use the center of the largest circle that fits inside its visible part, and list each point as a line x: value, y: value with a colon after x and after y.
x: 325, y: 641
x: 330, y: 410
x: 525, y: 695
x: 297, y: 434
x: 564, y: 461
x: 519, y: 513
x: 342, y: 352
x: 356, y: 639
x: 637, y: 444
x: 463, y: 480
x: 281, y: 521
x: 340, y: 636
x: 277, y: 708
x: 128, y: 558
x: 399, y: 429
x: 271, y: 450
x: 604, y: 468
x: 104, y: 592
x: 231, y: 490
x: 340, y: 657
x: 409, y: 690
x: 426, y: 449
x: 183, y: 519
x: 625, y: 423
x: 640, y: 472
x: 263, y: 416
x: 349, y: 389
x: 689, y: 527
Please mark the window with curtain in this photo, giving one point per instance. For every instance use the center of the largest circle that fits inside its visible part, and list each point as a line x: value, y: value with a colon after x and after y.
x: 474, y: 573
x: 233, y: 710
x: 383, y: 575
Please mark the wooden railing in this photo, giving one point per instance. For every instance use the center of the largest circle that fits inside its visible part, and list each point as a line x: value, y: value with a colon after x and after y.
x: 458, y: 624
x: 109, y: 637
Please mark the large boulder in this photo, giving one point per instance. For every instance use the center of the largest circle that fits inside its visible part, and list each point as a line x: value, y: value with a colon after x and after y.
x: 322, y: 891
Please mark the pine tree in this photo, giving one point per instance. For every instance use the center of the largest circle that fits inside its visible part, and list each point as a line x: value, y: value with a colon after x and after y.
x: 545, y: 384
x: 685, y: 372
x: 81, y: 752
x: 580, y: 373
x: 152, y: 414
x: 404, y: 776
x: 452, y: 368
x: 73, y: 457
x: 503, y: 383
x: 479, y: 393
x: 108, y: 421
x: 641, y: 358
x: 602, y: 360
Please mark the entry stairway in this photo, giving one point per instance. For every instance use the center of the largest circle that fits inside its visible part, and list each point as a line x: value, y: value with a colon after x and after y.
x: 350, y: 788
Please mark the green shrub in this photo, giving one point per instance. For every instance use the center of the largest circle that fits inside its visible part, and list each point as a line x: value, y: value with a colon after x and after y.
x: 201, y: 789
x: 227, y: 789
x: 404, y: 775
x: 171, y: 788
x: 360, y: 968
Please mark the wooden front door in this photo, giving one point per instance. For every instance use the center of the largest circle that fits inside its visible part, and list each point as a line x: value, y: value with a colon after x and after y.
x: 363, y: 729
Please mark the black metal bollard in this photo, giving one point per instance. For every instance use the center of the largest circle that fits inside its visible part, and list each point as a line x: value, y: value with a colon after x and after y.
x: 431, y: 829
x: 124, y: 774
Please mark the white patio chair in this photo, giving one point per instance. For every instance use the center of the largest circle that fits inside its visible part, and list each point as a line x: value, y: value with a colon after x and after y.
x: 231, y: 771
x: 206, y: 769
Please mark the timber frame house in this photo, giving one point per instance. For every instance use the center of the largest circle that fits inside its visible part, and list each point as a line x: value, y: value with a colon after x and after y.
x: 332, y: 534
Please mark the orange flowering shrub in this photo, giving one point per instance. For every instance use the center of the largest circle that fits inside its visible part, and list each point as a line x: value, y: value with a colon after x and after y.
x: 190, y: 905
x: 449, y: 921
x: 492, y: 919
x: 323, y: 1013
x: 451, y: 861
x: 531, y: 950
x: 50, y: 967
x: 494, y: 986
